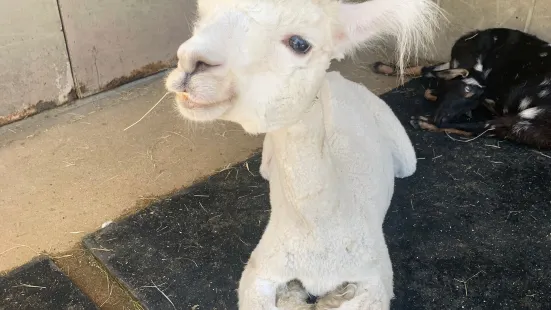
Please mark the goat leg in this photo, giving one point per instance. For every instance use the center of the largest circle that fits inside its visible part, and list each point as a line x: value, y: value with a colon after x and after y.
x: 391, y: 70
x: 384, y: 69
x: 533, y: 131
x: 415, y: 71
x: 472, y: 128
x: 490, y: 104
x: 433, y: 128
x: 428, y: 71
x: 430, y: 94
x: 423, y: 123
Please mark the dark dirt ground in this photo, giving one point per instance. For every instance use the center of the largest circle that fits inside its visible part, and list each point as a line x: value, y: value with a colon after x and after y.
x: 470, y: 230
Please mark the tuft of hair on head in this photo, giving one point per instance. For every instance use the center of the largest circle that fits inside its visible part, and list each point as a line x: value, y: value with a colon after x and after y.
x: 410, y: 23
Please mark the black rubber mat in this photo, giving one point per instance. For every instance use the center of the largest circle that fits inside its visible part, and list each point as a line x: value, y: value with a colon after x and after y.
x: 470, y: 230
x: 190, y: 249
x: 41, y: 285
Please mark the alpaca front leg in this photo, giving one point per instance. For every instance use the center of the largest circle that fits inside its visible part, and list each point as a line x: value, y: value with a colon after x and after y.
x: 257, y: 291
x: 293, y: 296
x: 335, y: 298
x: 371, y: 295
x: 267, y: 153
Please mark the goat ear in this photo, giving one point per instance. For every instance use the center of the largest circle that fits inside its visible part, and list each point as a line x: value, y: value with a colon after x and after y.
x: 451, y: 73
x: 411, y: 22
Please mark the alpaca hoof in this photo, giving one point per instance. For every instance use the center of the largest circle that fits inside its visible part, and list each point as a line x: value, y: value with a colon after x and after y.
x: 292, y: 295
x: 336, y: 298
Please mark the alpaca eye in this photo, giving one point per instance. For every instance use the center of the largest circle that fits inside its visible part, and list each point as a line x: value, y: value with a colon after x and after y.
x: 299, y: 45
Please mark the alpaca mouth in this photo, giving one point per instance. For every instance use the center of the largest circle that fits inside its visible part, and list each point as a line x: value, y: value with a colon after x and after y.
x: 186, y: 101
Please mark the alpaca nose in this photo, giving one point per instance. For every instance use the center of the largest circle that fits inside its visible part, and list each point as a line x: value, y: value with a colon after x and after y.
x: 193, y: 60
x: 190, y: 67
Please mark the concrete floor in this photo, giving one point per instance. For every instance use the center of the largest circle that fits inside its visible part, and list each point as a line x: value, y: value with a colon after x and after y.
x: 67, y: 171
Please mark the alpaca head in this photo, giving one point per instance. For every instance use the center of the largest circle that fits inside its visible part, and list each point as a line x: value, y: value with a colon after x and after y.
x: 260, y: 63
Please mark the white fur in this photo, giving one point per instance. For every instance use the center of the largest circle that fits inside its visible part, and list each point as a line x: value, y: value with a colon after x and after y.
x: 471, y: 81
x: 521, y: 126
x: 332, y: 148
x: 444, y: 66
x: 454, y: 64
x: 530, y: 113
x: 478, y: 67
x: 525, y: 103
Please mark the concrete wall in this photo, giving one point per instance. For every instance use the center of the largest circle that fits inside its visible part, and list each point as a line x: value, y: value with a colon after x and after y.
x: 112, y: 42
x: 52, y: 51
x: 466, y: 15
x: 35, y: 73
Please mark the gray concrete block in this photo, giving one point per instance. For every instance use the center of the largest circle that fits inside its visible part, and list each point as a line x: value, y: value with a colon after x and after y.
x: 116, y: 41
x: 469, y: 15
x: 36, y: 73
x: 540, y: 21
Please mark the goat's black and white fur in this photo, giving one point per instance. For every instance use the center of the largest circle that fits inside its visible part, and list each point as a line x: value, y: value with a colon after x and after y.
x: 506, y: 72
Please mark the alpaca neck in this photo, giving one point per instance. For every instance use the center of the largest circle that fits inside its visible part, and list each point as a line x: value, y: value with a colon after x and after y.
x: 301, y: 170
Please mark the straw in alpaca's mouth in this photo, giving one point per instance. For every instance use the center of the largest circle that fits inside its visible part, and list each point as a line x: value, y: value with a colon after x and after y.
x: 186, y: 101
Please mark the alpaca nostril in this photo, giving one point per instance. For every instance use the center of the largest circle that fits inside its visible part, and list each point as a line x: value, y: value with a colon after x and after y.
x: 201, y: 66
x: 177, y: 81
x: 197, y: 67
x: 180, y: 78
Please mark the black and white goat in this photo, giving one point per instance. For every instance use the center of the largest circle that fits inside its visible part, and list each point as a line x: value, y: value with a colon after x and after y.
x: 503, y: 71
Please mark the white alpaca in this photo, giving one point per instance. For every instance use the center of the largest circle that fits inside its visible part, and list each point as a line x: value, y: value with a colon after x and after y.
x: 332, y: 148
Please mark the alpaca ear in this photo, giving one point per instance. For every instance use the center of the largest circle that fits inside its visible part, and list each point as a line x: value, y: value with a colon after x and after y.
x: 354, y: 20
x: 411, y: 22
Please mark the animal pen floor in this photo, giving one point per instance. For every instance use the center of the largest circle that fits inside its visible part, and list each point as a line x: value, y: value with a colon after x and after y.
x: 68, y: 170
x: 470, y: 230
